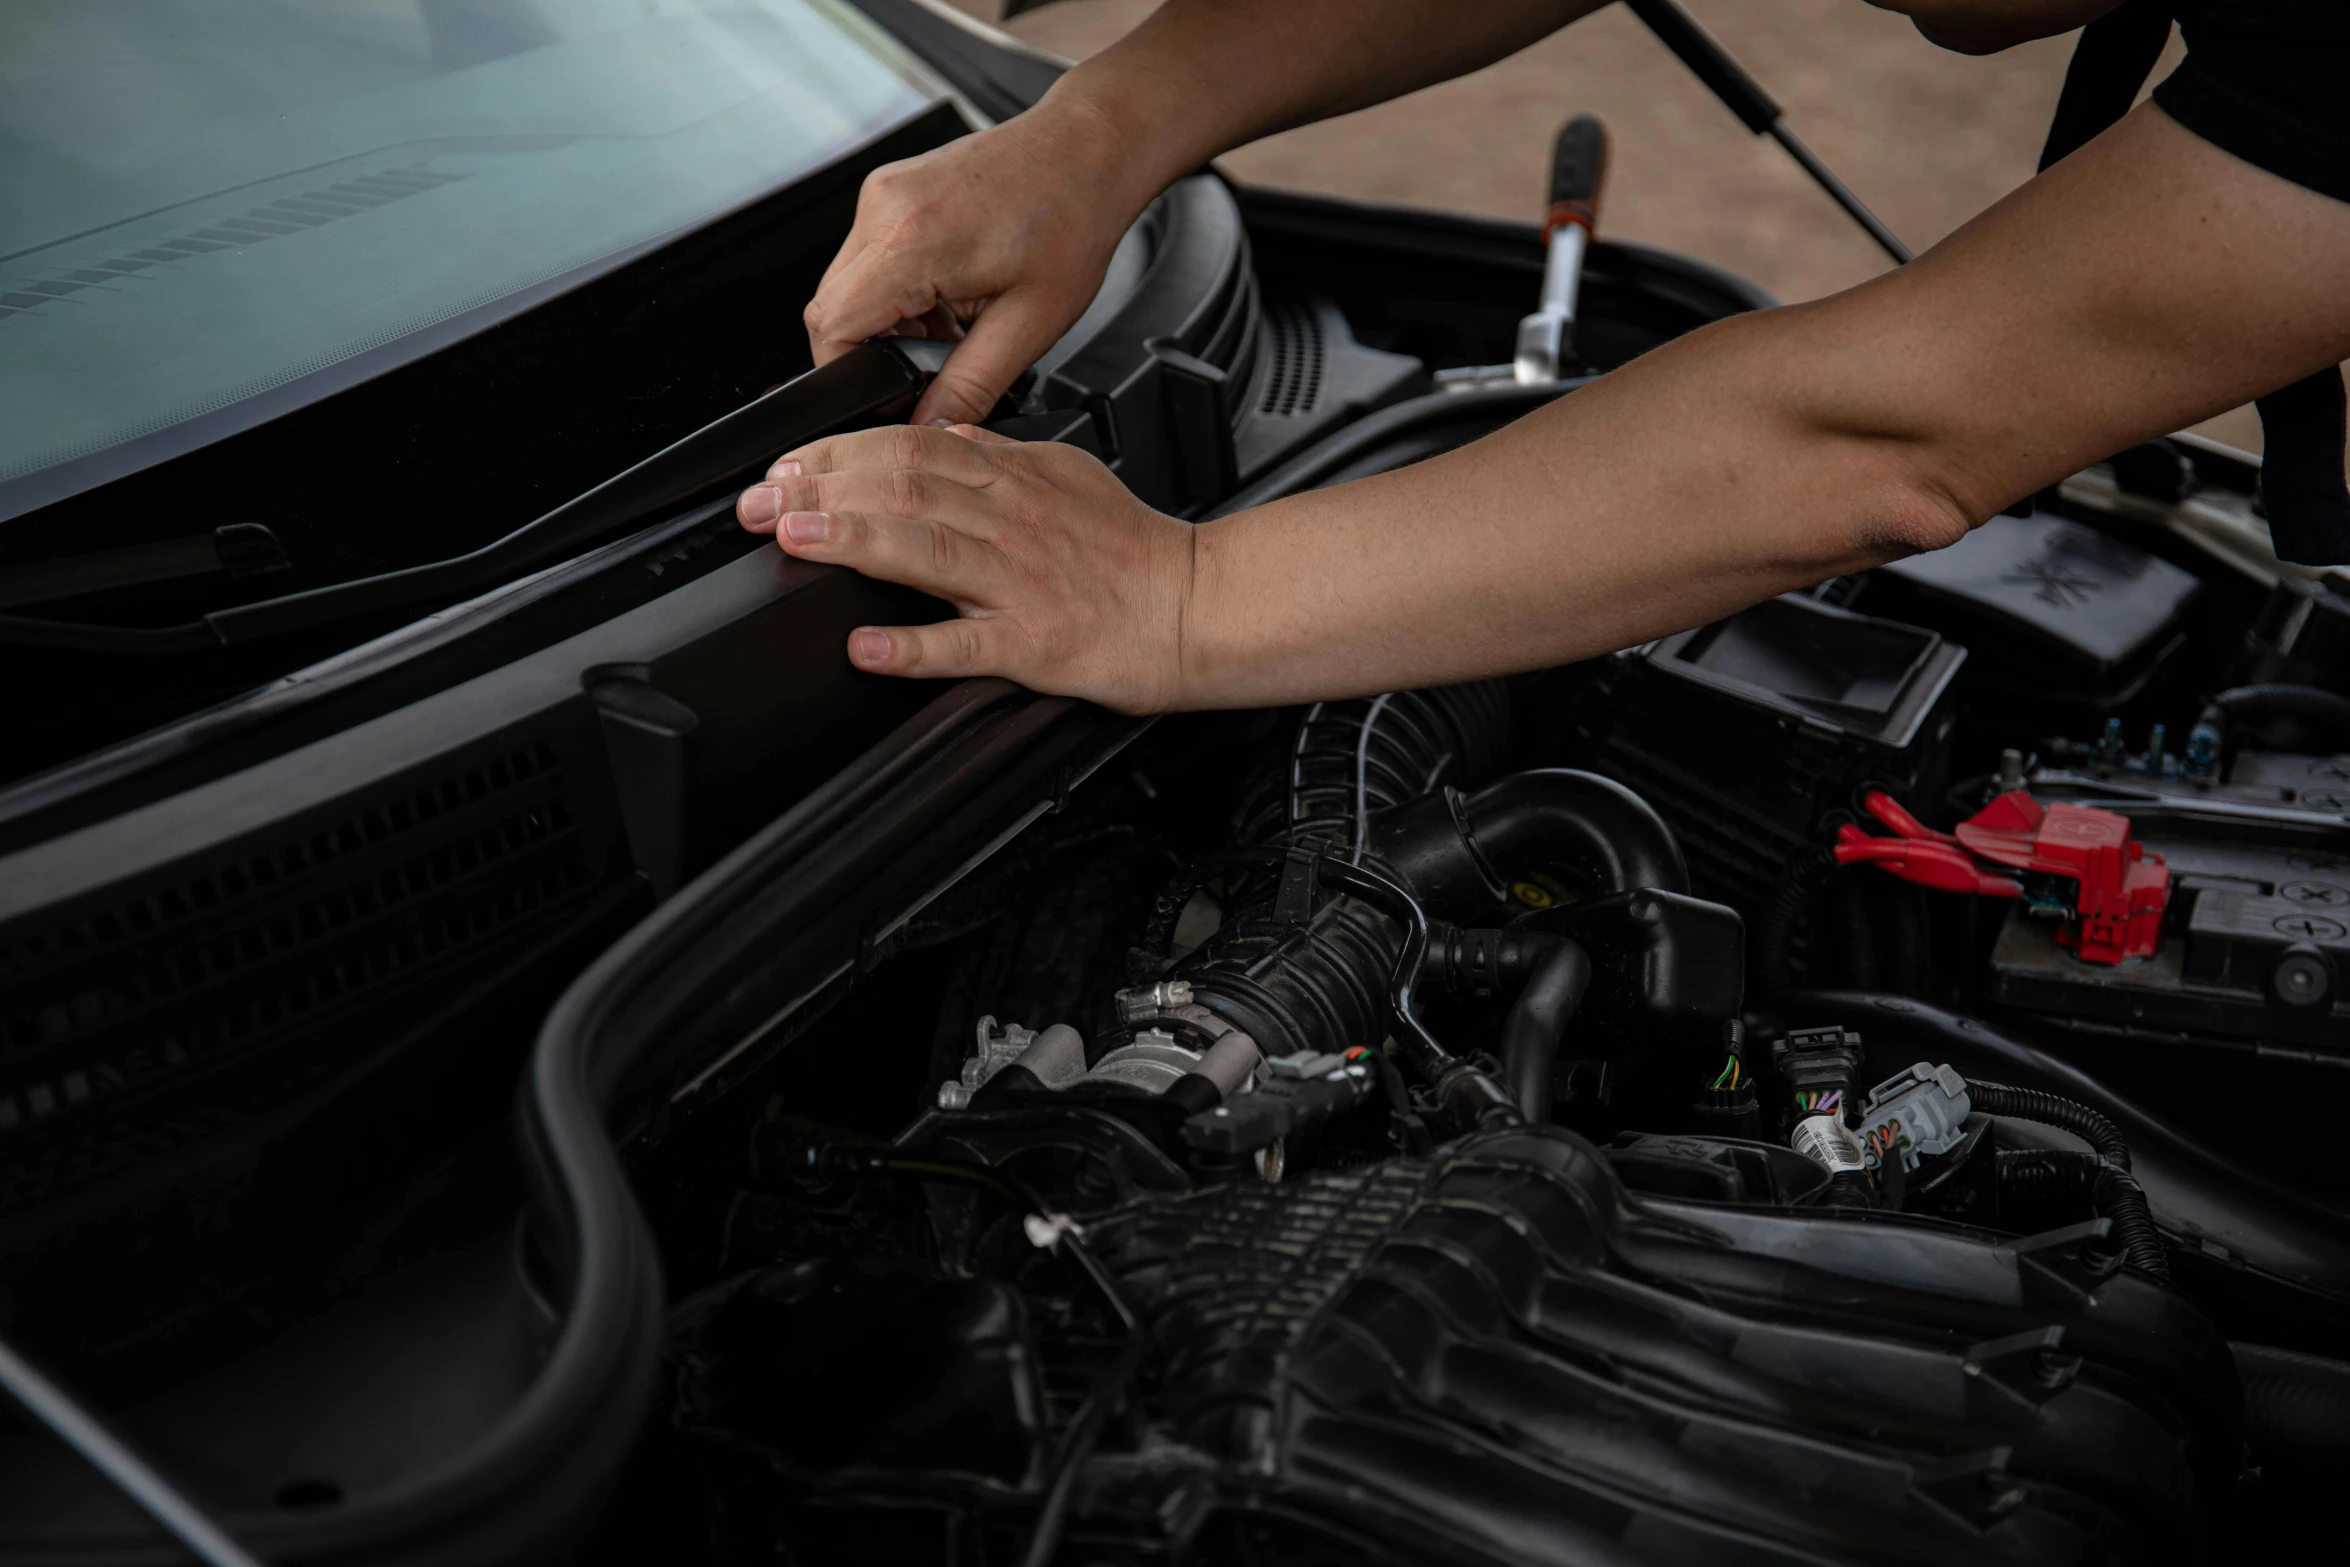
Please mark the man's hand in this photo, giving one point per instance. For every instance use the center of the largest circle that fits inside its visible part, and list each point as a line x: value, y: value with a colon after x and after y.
x: 1009, y: 231
x: 1063, y: 580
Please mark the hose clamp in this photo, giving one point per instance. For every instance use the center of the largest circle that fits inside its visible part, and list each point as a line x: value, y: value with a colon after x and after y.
x: 1458, y: 804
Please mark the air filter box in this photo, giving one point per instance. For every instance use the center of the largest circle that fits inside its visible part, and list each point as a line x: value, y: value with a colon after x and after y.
x: 1746, y: 733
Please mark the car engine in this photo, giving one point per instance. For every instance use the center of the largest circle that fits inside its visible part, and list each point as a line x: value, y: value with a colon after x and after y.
x: 513, y: 1050
x: 1592, y: 1117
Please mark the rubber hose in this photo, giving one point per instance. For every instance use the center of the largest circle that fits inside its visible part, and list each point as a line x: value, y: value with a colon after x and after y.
x: 1603, y: 830
x: 2295, y: 717
x: 2114, y: 1192
x: 1455, y: 851
x: 1422, y: 738
x: 1559, y: 973
x: 2296, y: 1406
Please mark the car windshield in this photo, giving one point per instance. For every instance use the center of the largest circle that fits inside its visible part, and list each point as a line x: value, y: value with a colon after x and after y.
x: 217, y: 210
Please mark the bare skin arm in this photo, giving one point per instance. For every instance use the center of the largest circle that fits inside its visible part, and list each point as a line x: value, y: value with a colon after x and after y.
x: 2147, y: 281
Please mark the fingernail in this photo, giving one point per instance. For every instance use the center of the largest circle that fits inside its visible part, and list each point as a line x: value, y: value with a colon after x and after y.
x: 788, y: 468
x: 869, y: 647
x: 940, y: 421
x: 762, y: 503
x: 807, y: 527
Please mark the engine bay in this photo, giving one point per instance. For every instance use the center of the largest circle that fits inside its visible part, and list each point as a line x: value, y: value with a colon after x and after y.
x: 1843, y: 1081
x: 1854, y: 1080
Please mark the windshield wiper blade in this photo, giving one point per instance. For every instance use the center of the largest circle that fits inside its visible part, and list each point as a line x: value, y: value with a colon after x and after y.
x: 873, y: 379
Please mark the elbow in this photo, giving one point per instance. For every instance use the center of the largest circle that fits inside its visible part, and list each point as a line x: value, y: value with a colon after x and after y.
x: 1910, y: 514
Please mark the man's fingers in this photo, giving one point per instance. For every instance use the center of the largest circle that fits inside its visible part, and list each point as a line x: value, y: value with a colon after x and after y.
x: 871, y: 294
x: 951, y: 650
x: 894, y: 446
x: 927, y: 556
x: 1008, y: 336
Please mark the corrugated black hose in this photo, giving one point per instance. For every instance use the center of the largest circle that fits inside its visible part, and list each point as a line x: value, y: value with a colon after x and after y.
x: 1774, y: 934
x: 2113, y: 1191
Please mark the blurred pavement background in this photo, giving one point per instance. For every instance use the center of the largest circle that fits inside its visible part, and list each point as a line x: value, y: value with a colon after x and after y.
x: 1926, y: 137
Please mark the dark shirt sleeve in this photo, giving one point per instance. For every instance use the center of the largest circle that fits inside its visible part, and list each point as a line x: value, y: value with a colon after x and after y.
x: 2269, y: 81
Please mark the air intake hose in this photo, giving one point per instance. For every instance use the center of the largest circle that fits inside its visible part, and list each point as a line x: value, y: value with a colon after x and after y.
x: 1350, y: 842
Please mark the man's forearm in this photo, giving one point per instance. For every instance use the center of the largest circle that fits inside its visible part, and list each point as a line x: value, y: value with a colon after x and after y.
x: 1661, y: 497
x: 2147, y: 283
x: 1201, y: 77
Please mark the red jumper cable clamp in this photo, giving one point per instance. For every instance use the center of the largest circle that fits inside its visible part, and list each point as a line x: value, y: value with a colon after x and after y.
x: 2070, y: 860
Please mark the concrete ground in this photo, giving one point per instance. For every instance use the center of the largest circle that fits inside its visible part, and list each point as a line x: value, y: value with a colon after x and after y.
x: 1926, y: 137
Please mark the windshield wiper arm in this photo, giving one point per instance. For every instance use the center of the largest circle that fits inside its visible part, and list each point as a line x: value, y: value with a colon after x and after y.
x: 872, y: 379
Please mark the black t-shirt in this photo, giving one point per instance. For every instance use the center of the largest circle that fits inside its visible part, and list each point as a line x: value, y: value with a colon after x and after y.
x: 2269, y: 81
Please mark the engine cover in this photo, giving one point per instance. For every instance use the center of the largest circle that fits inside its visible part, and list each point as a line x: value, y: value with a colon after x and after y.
x: 1498, y: 1354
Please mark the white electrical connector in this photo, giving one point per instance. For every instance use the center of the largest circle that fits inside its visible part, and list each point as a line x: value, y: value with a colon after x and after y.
x: 1827, y: 1142
x: 1045, y: 1230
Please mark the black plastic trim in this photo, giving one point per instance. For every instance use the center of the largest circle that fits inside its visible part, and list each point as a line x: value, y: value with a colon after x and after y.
x: 997, y: 73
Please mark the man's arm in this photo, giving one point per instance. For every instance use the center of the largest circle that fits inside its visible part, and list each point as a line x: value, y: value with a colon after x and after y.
x: 2148, y: 281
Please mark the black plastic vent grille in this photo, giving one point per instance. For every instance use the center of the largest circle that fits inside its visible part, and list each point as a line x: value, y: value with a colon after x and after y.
x: 1293, y: 385
x: 1733, y: 858
x: 283, y: 934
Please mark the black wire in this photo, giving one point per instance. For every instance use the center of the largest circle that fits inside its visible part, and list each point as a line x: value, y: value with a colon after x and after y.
x: 1078, y: 1442
x: 2115, y: 1191
x: 1109, y: 1390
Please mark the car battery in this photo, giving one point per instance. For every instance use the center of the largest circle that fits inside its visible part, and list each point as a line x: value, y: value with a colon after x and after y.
x: 2064, y: 624
x: 2255, y: 949
x: 1809, y: 702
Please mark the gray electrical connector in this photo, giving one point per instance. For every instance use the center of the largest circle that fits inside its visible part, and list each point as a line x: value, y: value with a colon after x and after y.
x: 1920, y: 1112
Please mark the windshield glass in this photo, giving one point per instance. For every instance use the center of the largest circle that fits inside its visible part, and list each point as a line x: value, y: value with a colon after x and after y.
x: 216, y: 210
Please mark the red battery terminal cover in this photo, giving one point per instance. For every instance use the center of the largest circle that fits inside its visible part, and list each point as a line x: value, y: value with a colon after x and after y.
x: 2116, y: 895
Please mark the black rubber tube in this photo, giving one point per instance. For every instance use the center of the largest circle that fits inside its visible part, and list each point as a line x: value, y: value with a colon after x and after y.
x: 2296, y: 1407
x: 2301, y: 718
x: 1592, y: 827
x: 1470, y: 1098
x: 1558, y: 972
